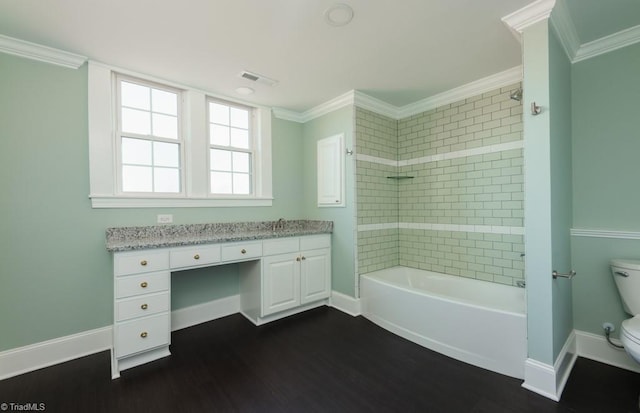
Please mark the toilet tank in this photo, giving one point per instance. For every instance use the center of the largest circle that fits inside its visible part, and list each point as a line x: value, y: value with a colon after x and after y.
x: 626, y: 274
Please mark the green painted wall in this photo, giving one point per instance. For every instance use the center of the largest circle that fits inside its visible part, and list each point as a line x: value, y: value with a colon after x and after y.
x: 55, y: 274
x: 343, y: 239
x: 561, y: 189
x: 538, y: 195
x: 606, y: 172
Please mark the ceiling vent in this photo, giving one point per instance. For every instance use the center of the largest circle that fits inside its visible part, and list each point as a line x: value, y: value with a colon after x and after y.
x: 254, y: 77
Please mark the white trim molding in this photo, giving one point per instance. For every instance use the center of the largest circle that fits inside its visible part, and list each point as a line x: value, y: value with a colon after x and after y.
x: 32, y: 357
x: 205, y: 312
x: 345, y: 303
x: 475, y: 88
x: 58, y: 350
x: 608, y: 44
x: 577, y: 51
x: 529, y: 15
x: 364, y: 101
x: 595, y: 347
x: 40, y: 53
x: 346, y: 99
x: 563, y: 25
x: 547, y: 380
x: 603, y: 233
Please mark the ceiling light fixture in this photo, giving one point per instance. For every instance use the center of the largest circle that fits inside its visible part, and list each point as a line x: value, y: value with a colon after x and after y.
x: 244, y: 90
x: 339, y: 14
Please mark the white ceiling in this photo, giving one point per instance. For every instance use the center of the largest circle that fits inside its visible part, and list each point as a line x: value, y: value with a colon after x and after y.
x: 398, y: 51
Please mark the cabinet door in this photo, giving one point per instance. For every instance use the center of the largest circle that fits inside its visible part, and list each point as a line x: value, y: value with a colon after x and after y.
x: 281, y: 283
x: 330, y: 170
x: 315, y: 275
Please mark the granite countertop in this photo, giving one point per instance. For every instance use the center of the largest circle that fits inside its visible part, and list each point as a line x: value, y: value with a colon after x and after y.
x: 162, y: 236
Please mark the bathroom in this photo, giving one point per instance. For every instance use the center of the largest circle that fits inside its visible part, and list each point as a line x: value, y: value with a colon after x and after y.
x: 596, y: 97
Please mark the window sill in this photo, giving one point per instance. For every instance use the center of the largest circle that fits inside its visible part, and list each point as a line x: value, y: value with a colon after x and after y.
x: 98, y: 201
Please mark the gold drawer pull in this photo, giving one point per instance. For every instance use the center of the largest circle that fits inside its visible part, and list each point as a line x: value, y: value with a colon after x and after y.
x: 143, y: 262
x: 144, y: 306
x: 143, y: 334
x: 196, y: 257
x: 144, y: 284
x: 243, y: 251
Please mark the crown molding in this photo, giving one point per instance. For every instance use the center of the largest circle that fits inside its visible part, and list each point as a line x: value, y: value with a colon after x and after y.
x: 529, y: 15
x: 289, y: 115
x: 378, y: 106
x: 576, y: 51
x: 364, y: 101
x: 346, y: 99
x: 565, y: 29
x: 608, y: 44
x: 40, y: 53
x: 478, y: 87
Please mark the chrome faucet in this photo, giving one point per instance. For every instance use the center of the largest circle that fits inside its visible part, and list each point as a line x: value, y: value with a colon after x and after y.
x: 278, y: 225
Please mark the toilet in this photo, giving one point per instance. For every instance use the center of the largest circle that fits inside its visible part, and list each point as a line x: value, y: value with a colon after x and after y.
x: 626, y: 274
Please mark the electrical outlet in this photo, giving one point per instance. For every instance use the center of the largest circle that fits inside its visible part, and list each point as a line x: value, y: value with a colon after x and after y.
x: 165, y: 218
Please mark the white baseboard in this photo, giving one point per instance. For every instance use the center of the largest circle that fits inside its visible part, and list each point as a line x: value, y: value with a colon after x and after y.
x: 595, y: 347
x: 547, y: 380
x: 345, y: 303
x: 58, y: 350
x: 201, y: 313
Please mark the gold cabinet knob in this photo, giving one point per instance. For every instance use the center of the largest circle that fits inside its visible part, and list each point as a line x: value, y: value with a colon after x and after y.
x: 243, y: 251
x: 144, y: 284
x: 143, y: 262
x: 196, y: 257
x: 144, y: 306
x: 297, y: 258
x: 304, y: 258
x: 143, y: 334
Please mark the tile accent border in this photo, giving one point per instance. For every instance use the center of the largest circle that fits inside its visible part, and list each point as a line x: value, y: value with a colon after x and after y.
x: 486, y: 229
x: 500, y: 147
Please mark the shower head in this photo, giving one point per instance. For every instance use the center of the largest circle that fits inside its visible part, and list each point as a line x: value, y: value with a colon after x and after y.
x: 516, y: 95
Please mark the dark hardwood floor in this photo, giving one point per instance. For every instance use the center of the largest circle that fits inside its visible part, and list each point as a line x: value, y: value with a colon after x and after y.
x: 322, y: 360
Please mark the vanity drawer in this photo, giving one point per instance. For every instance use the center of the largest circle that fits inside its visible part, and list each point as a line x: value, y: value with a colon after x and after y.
x: 241, y: 251
x: 142, y: 334
x: 137, y: 262
x: 314, y: 242
x: 194, y: 256
x: 280, y: 246
x: 145, y: 305
x: 142, y: 284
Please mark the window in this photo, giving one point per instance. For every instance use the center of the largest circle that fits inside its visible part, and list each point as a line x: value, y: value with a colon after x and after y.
x: 154, y: 143
x: 148, y: 139
x: 230, y: 148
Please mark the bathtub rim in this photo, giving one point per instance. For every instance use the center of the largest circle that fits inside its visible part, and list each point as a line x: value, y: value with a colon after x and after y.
x: 445, y: 297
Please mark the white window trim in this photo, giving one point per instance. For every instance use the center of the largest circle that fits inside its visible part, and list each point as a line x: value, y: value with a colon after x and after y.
x: 102, y: 151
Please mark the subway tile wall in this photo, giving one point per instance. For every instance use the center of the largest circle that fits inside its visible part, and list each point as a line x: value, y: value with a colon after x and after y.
x: 462, y: 212
x: 377, y: 195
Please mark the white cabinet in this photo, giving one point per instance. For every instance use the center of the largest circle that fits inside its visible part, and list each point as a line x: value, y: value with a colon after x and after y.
x: 278, y: 277
x: 142, y: 321
x: 296, y: 278
x: 280, y: 283
x: 330, y: 171
x: 315, y: 275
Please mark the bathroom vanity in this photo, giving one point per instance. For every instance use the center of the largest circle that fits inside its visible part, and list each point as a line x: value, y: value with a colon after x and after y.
x: 283, y: 270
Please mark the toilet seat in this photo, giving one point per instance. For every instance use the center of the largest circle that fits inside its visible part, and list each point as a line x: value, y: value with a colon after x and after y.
x: 631, y: 329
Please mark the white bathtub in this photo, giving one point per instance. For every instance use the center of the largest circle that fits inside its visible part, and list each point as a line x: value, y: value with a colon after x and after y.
x: 474, y: 321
